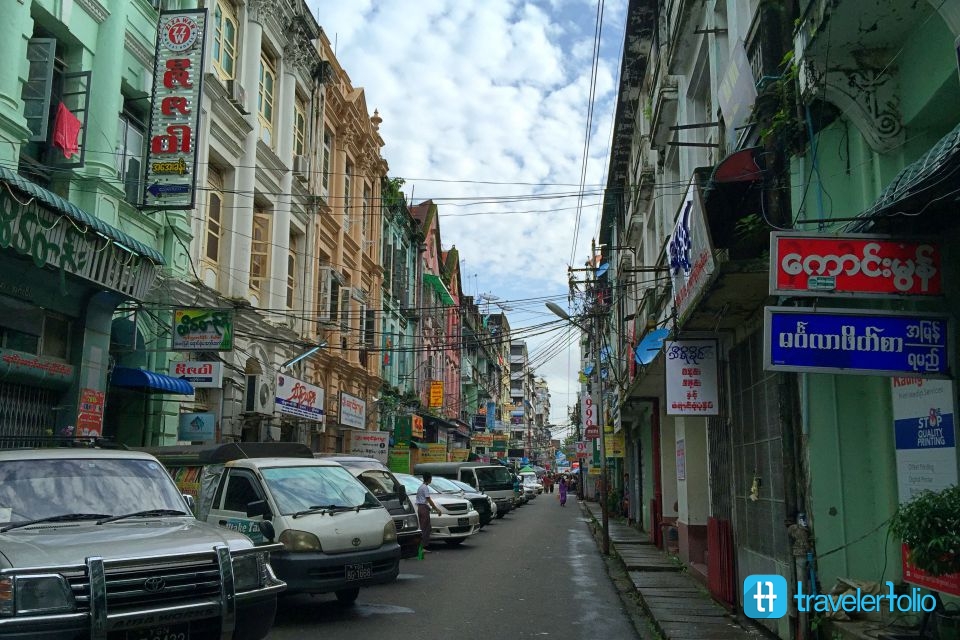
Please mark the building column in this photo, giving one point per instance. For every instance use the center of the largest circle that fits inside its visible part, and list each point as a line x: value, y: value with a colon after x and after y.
x: 246, y: 174
x: 693, y: 493
x: 286, y: 116
x: 15, y: 29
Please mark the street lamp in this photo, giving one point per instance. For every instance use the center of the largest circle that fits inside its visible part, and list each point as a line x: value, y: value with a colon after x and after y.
x: 605, y: 516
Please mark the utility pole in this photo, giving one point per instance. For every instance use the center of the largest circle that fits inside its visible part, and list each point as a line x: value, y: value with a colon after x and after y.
x: 604, y: 508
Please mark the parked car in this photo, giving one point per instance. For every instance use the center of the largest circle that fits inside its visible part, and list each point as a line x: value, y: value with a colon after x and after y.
x: 468, y: 489
x: 87, y: 535
x: 479, y: 501
x: 457, y: 521
x: 336, y: 536
x: 376, y: 477
x: 531, y: 479
x: 491, y: 478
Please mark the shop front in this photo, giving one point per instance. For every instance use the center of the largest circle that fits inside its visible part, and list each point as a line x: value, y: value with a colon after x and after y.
x: 63, y: 272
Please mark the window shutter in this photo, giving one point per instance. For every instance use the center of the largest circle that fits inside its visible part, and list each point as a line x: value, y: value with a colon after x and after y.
x: 323, y: 295
x: 76, y: 98
x: 345, y: 308
x: 334, y: 298
x: 38, y: 88
x: 399, y: 273
x: 369, y: 329
x: 386, y: 259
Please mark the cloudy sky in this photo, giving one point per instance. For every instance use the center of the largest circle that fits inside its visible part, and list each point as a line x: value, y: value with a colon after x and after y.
x: 485, y: 106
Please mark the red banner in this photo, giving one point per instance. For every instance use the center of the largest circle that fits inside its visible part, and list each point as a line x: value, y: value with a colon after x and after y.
x: 944, y: 584
x: 822, y: 265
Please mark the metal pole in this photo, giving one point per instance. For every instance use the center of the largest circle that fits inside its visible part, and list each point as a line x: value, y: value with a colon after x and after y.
x: 605, y: 516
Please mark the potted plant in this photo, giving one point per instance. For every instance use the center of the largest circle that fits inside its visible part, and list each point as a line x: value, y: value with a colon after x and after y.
x: 929, y: 525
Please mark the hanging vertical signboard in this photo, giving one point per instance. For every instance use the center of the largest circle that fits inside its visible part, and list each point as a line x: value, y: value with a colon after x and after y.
x: 690, y: 252
x: 925, y: 437
x: 692, y: 378
x: 170, y: 171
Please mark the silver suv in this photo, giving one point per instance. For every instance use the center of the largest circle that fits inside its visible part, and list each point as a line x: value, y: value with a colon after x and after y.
x: 99, y: 543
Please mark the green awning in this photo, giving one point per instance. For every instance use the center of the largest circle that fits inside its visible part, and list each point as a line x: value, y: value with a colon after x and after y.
x: 924, y: 177
x: 75, y: 213
x: 438, y: 286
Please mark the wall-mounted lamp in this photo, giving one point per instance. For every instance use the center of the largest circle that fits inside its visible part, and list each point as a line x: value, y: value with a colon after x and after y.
x: 309, y: 352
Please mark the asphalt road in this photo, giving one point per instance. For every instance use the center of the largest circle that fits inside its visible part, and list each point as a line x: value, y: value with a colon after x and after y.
x: 536, y: 573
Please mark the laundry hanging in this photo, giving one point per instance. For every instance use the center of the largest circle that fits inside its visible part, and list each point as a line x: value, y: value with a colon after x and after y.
x: 66, y: 131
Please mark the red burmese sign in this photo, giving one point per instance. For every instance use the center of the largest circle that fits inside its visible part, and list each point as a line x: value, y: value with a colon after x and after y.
x: 824, y: 265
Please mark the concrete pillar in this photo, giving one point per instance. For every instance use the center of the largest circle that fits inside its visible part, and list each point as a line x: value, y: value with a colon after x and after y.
x: 15, y: 29
x: 238, y: 283
x: 286, y: 115
x: 693, y: 493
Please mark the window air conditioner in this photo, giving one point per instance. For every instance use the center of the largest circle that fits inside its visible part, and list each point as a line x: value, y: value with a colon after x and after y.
x: 301, y: 167
x: 258, y: 397
x: 238, y: 95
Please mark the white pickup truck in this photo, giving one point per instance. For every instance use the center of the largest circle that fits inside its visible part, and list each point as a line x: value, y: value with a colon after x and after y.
x: 99, y: 543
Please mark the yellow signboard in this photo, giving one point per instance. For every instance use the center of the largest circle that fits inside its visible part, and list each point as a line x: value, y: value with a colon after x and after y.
x: 435, y: 452
x: 614, y: 445
x: 436, y: 394
x: 459, y: 455
x: 416, y: 426
x: 482, y: 440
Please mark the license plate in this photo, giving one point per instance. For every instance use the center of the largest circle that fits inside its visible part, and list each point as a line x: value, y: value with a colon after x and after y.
x: 359, y: 571
x: 169, y: 632
x: 463, y: 522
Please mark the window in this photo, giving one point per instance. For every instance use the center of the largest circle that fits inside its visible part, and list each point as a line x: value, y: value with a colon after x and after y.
x: 299, y: 128
x: 51, y: 90
x: 214, y: 215
x: 347, y: 186
x: 129, y: 155
x: 369, y: 328
x: 259, y: 251
x: 224, y: 40
x: 292, y: 272
x: 265, y: 98
x: 328, y: 298
x: 325, y: 161
x: 345, y: 296
x: 365, y: 209
x: 241, y: 491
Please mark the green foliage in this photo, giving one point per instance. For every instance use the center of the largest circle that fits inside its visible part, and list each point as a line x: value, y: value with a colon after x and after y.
x: 779, y: 108
x: 390, y: 191
x: 748, y: 225
x: 929, y: 524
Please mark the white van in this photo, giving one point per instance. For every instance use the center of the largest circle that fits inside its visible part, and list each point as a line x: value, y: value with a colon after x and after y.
x: 492, y: 479
x: 336, y: 536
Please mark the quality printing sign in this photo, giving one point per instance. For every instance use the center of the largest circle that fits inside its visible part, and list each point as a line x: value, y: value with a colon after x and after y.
x: 868, y: 265
x: 926, y: 441
x: 690, y: 252
x: 170, y: 171
x: 857, y: 341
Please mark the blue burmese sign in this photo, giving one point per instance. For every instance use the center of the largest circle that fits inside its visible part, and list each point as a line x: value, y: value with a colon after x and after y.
x: 856, y: 341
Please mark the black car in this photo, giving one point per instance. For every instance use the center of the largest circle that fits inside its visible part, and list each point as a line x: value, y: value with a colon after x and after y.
x: 376, y: 477
x: 479, y: 500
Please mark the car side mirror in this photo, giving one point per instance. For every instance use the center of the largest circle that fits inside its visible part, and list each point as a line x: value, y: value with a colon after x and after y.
x: 191, y: 503
x: 266, y: 528
x: 259, y: 508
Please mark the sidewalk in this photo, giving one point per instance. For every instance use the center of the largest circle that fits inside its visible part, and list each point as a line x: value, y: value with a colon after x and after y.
x: 678, y: 605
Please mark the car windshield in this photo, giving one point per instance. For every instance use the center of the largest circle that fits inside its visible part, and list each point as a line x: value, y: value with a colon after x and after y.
x: 302, y: 488
x: 380, y: 483
x: 464, y: 486
x: 444, y: 485
x: 412, y: 483
x: 34, y: 489
x: 493, y: 475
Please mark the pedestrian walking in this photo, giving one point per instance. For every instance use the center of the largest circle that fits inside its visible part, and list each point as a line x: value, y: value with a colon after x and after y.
x: 425, y: 506
x: 563, y: 492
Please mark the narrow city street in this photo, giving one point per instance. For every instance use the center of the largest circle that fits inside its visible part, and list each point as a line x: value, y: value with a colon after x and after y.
x: 534, y: 573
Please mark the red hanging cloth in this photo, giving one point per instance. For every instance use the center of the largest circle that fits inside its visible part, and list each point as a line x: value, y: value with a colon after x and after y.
x: 66, y: 131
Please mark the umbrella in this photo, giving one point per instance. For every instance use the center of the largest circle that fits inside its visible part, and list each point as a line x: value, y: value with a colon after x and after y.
x: 527, y: 469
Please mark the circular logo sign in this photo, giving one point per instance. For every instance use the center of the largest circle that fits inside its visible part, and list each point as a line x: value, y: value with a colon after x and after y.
x: 179, y: 33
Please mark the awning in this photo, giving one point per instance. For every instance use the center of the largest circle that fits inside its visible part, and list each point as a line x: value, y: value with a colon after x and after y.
x: 75, y: 213
x: 441, y: 289
x: 740, y: 166
x: 923, y: 176
x: 416, y: 445
x: 149, y: 381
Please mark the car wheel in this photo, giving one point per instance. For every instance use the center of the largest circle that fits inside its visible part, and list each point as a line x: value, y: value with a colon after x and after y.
x: 500, y: 514
x: 452, y: 542
x: 347, y: 596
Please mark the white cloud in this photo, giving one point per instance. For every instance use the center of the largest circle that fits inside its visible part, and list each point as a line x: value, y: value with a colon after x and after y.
x: 484, y: 108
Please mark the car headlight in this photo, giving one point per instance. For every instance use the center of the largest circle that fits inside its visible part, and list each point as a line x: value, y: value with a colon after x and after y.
x: 31, y: 595
x: 390, y: 532
x: 413, y: 522
x: 248, y: 573
x: 298, y: 541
